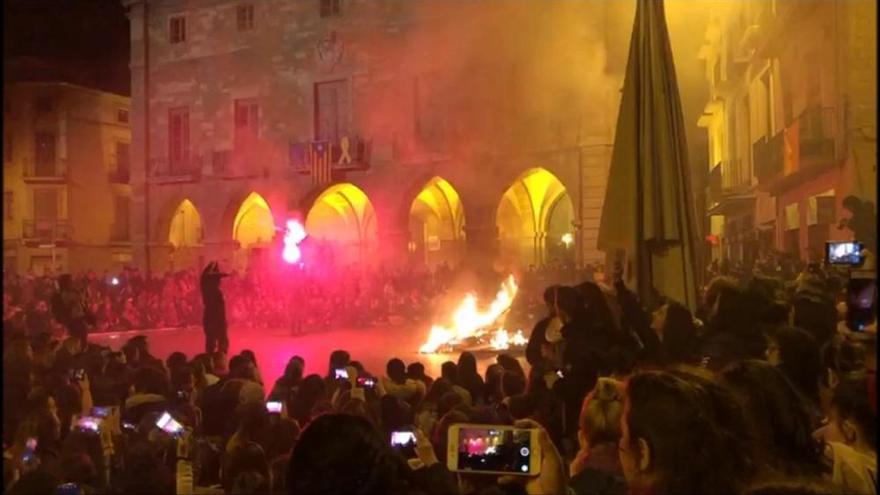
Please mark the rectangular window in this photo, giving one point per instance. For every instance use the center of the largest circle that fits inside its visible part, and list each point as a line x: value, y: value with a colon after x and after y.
x: 330, y: 8
x: 44, y: 154
x: 332, y: 110
x: 123, y: 160
x: 178, y: 139
x: 121, y: 216
x: 7, y: 147
x: 8, y: 205
x: 429, y: 116
x: 245, y: 17
x: 177, y: 29
x: 45, y: 204
x: 122, y: 116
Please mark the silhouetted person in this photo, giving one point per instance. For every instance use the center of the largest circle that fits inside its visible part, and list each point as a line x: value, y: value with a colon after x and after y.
x: 863, y: 221
x: 214, y: 318
x: 69, y: 308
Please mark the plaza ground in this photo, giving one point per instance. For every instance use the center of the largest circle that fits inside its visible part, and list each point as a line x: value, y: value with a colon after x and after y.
x: 371, y: 346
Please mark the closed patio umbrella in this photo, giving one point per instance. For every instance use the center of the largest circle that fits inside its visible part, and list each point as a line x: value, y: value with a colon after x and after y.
x: 649, y: 207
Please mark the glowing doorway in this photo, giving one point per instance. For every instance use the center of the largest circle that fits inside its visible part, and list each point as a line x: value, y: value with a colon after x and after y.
x: 436, y: 224
x: 534, y: 220
x: 186, y: 226
x: 254, y: 225
x: 343, y: 222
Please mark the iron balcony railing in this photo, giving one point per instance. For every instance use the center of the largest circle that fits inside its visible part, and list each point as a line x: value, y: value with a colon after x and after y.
x: 714, y: 189
x: 817, y: 135
x: 46, y: 230
x: 768, y: 157
x: 45, y: 170
x: 119, y: 176
x: 176, y: 170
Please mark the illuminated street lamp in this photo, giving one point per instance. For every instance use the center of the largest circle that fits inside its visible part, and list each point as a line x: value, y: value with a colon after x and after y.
x: 567, y: 239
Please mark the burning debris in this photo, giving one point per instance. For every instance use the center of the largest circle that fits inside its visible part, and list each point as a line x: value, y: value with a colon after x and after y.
x: 473, y: 329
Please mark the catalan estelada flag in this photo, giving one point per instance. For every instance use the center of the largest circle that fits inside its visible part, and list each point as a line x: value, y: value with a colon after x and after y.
x: 319, y: 157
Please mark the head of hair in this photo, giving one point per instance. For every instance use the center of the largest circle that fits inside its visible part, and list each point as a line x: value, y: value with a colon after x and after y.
x: 249, y: 355
x: 801, y: 363
x: 777, y: 416
x: 249, y: 460
x: 449, y: 371
x: 569, y: 301
x: 415, y: 370
x: 815, y: 315
x: 148, y: 380
x: 788, y: 486
x: 396, y: 370
x: 175, y: 360
x: 512, y: 383
x: 601, y: 412
x: 338, y: 453
x: 679, y: 333
x: 467, y: 364
x: 338, y: 359
x: 510, y: 363
x: 294, y: 369
x: 852, y: 401
x: 688, y: 449
x: 252, y: 418
x: 842, y: 356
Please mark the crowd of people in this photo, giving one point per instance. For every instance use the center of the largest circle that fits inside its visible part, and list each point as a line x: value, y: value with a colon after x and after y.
x: 296, y: 299
x: 763, y: 391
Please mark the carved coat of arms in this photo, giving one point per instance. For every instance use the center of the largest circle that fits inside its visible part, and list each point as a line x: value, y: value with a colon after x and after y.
x: 329, y: 51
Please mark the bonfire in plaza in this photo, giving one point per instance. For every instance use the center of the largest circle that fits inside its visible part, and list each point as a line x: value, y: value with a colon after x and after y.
x: 472, y: 327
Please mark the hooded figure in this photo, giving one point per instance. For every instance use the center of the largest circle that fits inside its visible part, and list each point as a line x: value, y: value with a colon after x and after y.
x: 214, y: 318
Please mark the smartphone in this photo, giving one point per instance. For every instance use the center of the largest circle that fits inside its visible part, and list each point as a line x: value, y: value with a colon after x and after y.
x: 79, y: 374
x: 68, y: 489
x: 366, y: 382
x: 847, y: 253
x: 100, y: 412
x: 341, y: 374
x: 861, y: 300
x: 169, y: 425
x: 128, y: 426
x: 274, y: 407
x: 560, y: 374
x: 404, y: 441
x: 493, y: 449
x: 88, y: 423
x: 29, y: 455
x: 182, y: 395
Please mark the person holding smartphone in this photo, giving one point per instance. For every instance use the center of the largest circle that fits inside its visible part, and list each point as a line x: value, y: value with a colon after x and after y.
x: 69, y: 308
x: 214, y: 316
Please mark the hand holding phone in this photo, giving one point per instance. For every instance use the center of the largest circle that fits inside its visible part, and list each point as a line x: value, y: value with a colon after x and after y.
x: 87, y: 423
x: 341, y: 374
x: 404, y: 442
x: 494, y: 449
x: 169, y: 425
x: 274, y: 407
x: 550, y: 477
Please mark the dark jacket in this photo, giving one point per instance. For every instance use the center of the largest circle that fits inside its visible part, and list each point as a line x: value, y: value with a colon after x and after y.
x: 214, y: 316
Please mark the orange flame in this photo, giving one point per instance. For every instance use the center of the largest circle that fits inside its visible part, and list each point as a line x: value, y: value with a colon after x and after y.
x: 468, y: 321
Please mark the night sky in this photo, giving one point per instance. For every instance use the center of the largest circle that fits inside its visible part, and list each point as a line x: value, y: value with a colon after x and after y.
x: 84, y: 42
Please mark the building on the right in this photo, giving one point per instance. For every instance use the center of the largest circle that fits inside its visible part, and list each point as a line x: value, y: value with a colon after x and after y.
x: 791, y: 122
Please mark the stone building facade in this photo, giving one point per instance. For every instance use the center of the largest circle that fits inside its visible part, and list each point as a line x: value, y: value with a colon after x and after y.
x: 65, y: 178
x: 791, y: 123
x: 450, y: 126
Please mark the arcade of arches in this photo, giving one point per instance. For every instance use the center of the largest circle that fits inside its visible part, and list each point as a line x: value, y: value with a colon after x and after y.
x: 185, y: 235
x: 436, y: 224
x: 253, y: 228
x: 534, y: 220
x: 343, y: 218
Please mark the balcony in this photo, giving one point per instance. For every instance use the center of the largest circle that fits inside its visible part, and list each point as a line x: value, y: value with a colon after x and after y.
x: 236, y: 164
x: 817, y: 133
x: 163, y: 171
x: 45, y: 171
x: 811, y: 141
x: 714, y: 190
x: 119, y: 176
x: 45, y: 231
x: 348, y: 153
x: 768, y: 156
